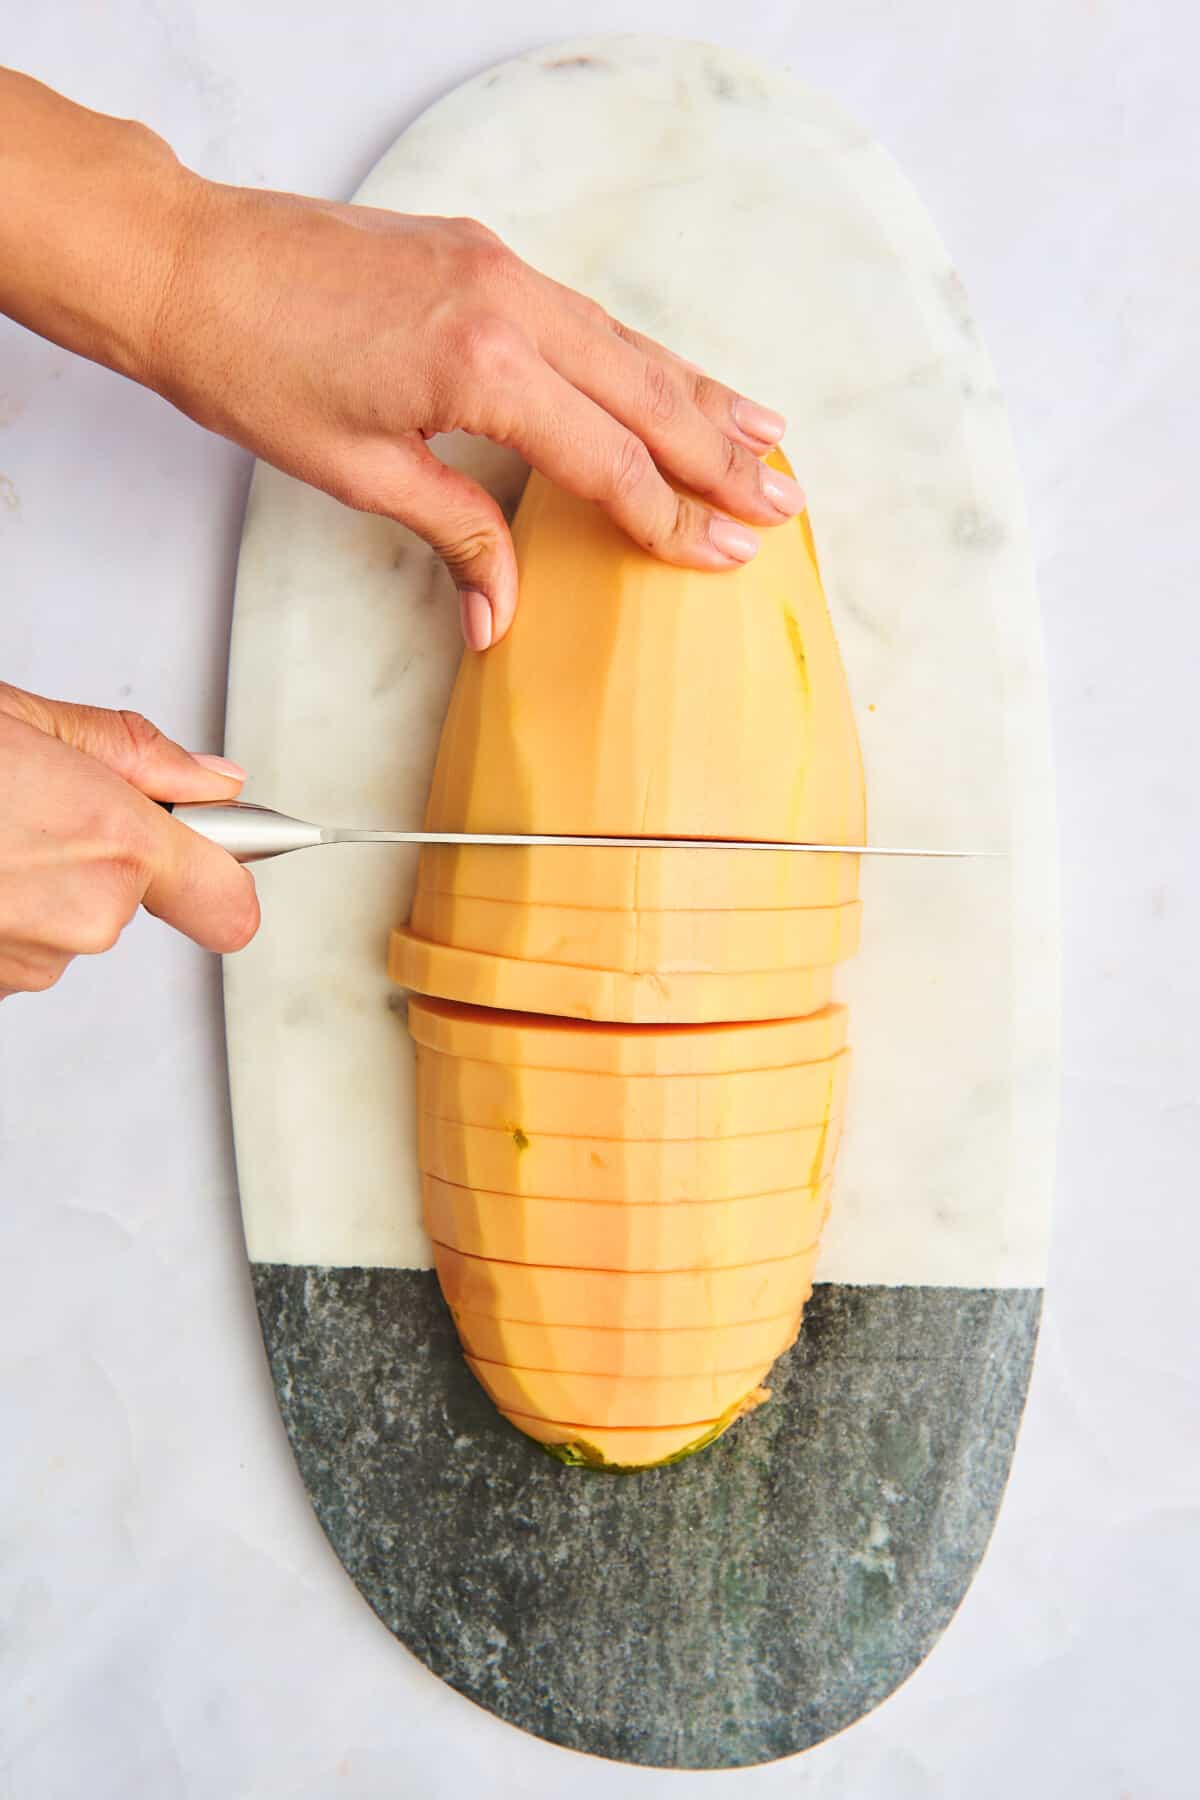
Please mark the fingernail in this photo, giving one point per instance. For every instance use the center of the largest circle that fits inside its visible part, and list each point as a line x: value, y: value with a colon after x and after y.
x: 219, y: 765
x: 736, y: 541
x: 475, y: 611
x: 781, y: 491
x: 758, y: 421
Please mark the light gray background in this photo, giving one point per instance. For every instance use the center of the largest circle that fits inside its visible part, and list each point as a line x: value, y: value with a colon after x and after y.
x: 172, y: 1622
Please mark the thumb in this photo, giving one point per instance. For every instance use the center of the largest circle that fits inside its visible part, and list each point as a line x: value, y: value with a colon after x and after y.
x: 469, y: 532
x: 130, y: 746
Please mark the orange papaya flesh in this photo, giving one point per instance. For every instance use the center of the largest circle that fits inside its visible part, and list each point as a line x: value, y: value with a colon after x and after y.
x: 619, y: 1208
x: 614, y: 1400
x: 621, y: 1299
x: 637, y: 1107
x: 585, y: 1234
x: 547, y: 1042
x: 647, y: 998
x: 599, y: 1350
x: 628, y: 1449
x: 662, y: 702
x: 662, y: 943
x: 640, y: 880
x: 513, y: 1161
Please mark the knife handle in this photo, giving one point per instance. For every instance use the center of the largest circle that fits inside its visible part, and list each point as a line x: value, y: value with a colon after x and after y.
x: 249, y: 833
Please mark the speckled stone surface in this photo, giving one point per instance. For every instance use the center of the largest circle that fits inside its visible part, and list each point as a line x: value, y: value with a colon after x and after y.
x: 739, y: 1607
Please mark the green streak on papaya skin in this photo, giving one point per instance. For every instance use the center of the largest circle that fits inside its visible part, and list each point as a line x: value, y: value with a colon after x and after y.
x: 796, y: 640
x: 818, y: 1162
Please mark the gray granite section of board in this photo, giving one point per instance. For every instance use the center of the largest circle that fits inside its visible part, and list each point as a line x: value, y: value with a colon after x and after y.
x: 736, y: 1608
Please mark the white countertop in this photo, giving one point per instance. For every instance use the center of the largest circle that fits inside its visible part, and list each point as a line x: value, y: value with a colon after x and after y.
x: 174, y: 1622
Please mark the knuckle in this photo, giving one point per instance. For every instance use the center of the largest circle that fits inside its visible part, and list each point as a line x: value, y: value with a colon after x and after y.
x: 488, y: 346
x: 474, y: 230
x: 142, y: 735
x: 662, y: 396
x: 489, y: 262
x: 95, y: 936
x: 114, y: 905
x: 593, y: 313
x: 38, y: 978
x: 364, y: 481
x: 706, y: 393
x: 623, y: 332
x: 464, y: 545
x: 634, y: 467
x: 686, y: 522
x: 123, y: 837
x: 358, y: 491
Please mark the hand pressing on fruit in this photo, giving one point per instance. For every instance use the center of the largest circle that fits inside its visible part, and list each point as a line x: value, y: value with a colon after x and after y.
x: 82, y: 844
x: 333, y: 341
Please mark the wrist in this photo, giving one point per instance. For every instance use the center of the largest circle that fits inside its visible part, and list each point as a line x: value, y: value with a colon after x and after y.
x: 93, y: 213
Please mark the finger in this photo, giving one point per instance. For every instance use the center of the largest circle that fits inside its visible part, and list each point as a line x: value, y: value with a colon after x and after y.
x: 84, y: 913
x: 736, y: 415
x: 30, y: 971
x: 579, y: 445
x: 656, y: 400
x: 198, y: 888
x: 131, y: 746
x: 458, y: 518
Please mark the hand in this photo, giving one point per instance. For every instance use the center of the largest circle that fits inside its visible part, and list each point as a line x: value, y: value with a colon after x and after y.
x: 82, y: 846
x: 333, y: 340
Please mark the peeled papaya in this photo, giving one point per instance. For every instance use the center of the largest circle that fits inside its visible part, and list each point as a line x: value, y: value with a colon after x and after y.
x: 631, y: 1076
x: 603, y: 1234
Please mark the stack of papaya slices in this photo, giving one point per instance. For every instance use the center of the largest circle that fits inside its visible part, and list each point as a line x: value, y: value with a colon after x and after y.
x: 631, y: 1308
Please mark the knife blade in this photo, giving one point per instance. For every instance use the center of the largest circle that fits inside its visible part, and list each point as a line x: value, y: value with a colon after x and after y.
x: 253, y: 833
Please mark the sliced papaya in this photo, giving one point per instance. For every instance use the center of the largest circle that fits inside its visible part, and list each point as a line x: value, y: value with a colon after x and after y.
x: 689, y: 1350
x: 640, y: 880
x: 614, y: 1400
x: 663, y: 943
x: 624, y: 1449
x: 619, y: 1299
x: 511, y: 1160
x: 544, y: 1042
x: 630, y: 1107
x: 588, y: 1234
x: 648, y: 998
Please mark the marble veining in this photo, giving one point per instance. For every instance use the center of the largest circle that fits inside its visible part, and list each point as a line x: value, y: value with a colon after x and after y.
x: 739, y: 216
x: 738, y: 1607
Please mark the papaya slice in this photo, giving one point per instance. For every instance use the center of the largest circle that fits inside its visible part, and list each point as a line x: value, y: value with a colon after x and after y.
x: 647, y: 998
x: 635, y: 1107
x: 582, y: 1349
x: 621, y: 1300
x: 544, y: 1042
x: 639, y: 880
x: 587, y: 1234
x: 625, y: 1449
x: 613, y: 1400
x: 510, y: 1160
x: 664, y: 943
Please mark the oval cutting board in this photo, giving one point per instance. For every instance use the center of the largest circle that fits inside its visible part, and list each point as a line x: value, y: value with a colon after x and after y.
x: 765, y: 1594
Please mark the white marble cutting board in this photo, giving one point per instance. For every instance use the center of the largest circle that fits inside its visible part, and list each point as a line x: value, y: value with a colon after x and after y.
x: 741, y: 217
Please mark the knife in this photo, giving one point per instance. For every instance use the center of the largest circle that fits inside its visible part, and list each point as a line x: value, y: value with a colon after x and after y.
x: 252, y: 833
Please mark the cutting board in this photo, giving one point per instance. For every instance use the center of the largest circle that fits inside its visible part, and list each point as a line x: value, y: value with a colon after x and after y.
x: 763, y: 1595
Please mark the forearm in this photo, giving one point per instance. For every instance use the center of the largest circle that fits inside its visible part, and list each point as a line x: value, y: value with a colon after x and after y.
x: 91, y: 212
